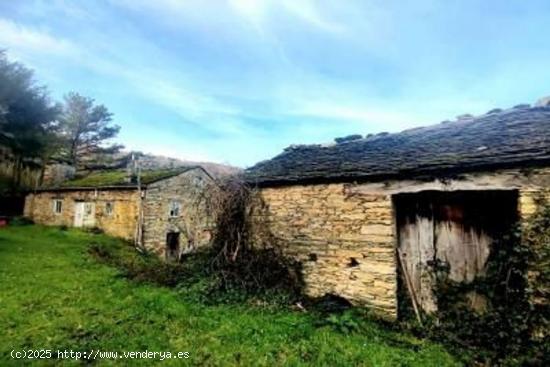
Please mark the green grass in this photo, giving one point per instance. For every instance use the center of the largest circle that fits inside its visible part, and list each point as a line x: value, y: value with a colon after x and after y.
x: 54, y: 295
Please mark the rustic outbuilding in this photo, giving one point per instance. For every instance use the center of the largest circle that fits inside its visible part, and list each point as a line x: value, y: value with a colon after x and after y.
x: 369, y: 216
x: 164, y: 213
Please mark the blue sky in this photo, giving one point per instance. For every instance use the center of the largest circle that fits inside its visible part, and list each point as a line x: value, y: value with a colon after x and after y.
x: 236, y: 81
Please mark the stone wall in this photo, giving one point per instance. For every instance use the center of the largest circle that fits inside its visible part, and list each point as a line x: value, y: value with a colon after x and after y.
x: 194, y: 222
x: 344, y: 241
x: 120, y: 223
x: 344, y: 234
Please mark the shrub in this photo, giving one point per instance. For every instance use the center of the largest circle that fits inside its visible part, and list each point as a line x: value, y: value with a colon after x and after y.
x: 21, y: 221
x: 240, y: 265
x: 94, y: 230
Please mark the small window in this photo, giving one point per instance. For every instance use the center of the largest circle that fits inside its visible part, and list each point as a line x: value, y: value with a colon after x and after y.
x: 57, y: 206
x: 109, y: 208
x: 174, y: 209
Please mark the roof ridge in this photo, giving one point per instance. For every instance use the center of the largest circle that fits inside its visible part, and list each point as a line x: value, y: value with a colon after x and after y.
x: 498, y: 137
x: 466, y: 117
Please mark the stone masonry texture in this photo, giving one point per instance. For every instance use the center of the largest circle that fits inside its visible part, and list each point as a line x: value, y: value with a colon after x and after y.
x: 194, y: 222
x: 120, y: 223
x: 344, y: 234
x: 344, y: 241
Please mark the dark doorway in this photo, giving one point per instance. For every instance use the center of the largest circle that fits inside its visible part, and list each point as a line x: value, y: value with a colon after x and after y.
x: 455, y: 230
x: 172, y: 246
x: 11, y: 206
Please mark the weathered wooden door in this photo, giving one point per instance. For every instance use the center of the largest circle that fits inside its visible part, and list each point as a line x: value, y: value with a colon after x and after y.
x: 417, y: 250
x: 450, y: 229
x: 84, y: 214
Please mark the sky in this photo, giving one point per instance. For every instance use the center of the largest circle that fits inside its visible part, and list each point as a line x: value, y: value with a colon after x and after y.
x: 237, y: 81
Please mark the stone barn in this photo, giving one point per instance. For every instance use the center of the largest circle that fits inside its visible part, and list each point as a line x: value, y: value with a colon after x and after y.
x: 367, y: 216
x: 165, y: 213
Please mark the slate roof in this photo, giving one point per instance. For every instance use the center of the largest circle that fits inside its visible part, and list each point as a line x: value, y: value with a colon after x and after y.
x: 515, y: 137
x: 117, y: 179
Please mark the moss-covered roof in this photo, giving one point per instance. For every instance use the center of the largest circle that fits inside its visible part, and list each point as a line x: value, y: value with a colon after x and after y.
x: 118, y: 178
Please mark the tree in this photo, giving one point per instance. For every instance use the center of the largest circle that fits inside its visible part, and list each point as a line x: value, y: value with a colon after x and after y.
x: 28, y: 119
x: 86, y: 128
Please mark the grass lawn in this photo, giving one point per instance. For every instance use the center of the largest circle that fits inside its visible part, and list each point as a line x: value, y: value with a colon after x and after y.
x: 53, y: 295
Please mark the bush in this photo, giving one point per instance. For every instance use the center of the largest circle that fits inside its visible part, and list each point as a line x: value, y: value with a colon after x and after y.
x: 94, y: 230
x: 257, y: 273
x: 21, y: 221
x: 242, y: 268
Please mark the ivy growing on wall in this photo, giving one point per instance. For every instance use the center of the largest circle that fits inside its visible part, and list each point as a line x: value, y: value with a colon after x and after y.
x: 537, y: 239
x: 504, y: 315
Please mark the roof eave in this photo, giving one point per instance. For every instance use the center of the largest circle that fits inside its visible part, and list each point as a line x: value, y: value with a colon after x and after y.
x: 89, y: 188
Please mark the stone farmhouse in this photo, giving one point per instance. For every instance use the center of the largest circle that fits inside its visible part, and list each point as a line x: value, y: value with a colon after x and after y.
x: 369, y: 217
x: 163, y: 214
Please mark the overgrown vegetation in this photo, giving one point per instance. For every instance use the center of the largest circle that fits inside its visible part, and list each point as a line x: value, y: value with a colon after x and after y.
x: 233, y: 269
x: 71, y: 301
x: 510, y: 326
x: 537, y: 239
x: 239, y: 261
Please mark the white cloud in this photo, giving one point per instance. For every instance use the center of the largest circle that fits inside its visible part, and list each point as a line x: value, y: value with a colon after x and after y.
x: 361, y: 116
x: 255, y: 11
x: 177, y: 13
x: 301, y: 94
x: 175, y: 92
x: 271, y: 71
x: 259, y: 13
x: 309, y: 12
x: 21, y: 40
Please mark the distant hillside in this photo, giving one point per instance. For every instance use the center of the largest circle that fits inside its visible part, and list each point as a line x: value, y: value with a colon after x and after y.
x: 149, y: 161
x: 56, y: 174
